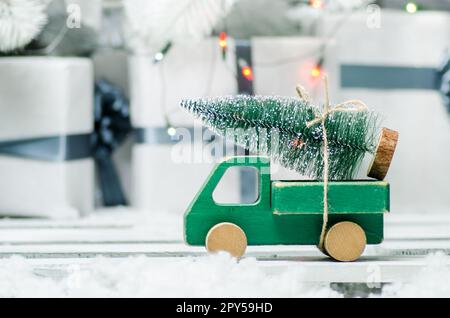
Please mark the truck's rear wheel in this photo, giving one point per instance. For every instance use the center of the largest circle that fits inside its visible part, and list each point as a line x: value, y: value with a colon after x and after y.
x: 345, y: 241
x: 227, y: 237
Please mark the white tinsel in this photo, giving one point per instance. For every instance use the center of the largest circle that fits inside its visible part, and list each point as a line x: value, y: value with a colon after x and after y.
x: 20, y: 22
x: 149, y: 25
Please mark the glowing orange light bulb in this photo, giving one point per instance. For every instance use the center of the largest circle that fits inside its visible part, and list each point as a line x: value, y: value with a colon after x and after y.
x: 223, y: 40
x: 247, y: 73
x: 316, y: 71
x: 316, y: 4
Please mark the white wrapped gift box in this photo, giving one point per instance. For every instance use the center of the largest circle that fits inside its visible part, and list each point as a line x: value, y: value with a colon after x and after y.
x: 189, y: 70
x: 420, y: 171
x: 45, y: 97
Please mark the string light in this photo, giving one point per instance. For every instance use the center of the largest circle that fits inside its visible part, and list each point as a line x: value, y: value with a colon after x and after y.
x: 158, y: 57
x: 316, y: 4
x: 247, y: 72
x: 223, y: 43
x: 316, y: 70
x: 171, y: 131
x: 223, y: 40
x: 162, y: 53
x: 411, y: 7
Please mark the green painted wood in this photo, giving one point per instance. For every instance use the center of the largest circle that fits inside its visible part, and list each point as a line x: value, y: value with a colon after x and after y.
x: 343, y: 197
x: 287, y: 212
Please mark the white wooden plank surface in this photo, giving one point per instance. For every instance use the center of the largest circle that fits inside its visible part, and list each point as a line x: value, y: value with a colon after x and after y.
x: 156, y: 249
x: 52, y: 246
x: 310, y: 269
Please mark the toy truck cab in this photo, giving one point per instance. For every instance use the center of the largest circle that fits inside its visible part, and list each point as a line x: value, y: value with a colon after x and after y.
x: 288, y: 213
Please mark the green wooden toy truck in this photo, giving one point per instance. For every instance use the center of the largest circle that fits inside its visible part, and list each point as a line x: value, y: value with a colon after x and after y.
x: 288, y: 213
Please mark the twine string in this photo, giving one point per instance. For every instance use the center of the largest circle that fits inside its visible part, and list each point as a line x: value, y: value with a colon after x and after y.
x: 321, y: 118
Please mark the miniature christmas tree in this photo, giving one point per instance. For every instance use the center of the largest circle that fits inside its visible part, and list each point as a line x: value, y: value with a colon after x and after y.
x: 288, y: 130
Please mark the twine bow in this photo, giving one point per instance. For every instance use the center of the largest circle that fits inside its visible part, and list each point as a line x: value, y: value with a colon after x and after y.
x: 321, y: 118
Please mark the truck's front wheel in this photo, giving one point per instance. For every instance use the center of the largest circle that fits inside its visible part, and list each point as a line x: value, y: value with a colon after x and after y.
x: 227, y: 237
x: 345, y: 241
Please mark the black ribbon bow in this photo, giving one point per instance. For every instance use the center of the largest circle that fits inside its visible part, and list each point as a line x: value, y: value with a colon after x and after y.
x: 112, y: 127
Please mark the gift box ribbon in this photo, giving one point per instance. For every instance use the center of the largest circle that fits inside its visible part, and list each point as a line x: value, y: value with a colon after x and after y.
x: 160, y: 136
x: 56, y: 148
x: 112, y: 126
x: 389, y: 77
x: 398, y: 77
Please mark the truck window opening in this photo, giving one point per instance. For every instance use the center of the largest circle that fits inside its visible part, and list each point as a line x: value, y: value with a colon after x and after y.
x: 226, y: 191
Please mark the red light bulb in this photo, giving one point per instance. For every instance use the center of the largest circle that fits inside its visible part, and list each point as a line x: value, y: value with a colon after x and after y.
x: 223, y: 40
x: 247, y: 73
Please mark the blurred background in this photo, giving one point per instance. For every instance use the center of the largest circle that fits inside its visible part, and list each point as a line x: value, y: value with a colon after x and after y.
x: 90, y: 92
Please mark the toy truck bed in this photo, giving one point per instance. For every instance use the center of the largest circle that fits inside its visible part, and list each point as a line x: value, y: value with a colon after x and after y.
x: 362, y: 202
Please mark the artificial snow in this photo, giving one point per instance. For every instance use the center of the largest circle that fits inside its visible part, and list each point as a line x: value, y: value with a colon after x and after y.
x: 432, y: 281
x: 211, y: 276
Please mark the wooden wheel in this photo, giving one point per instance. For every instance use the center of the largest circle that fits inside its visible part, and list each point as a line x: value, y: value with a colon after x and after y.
x: 345, y: 241
x: 227, y: 237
